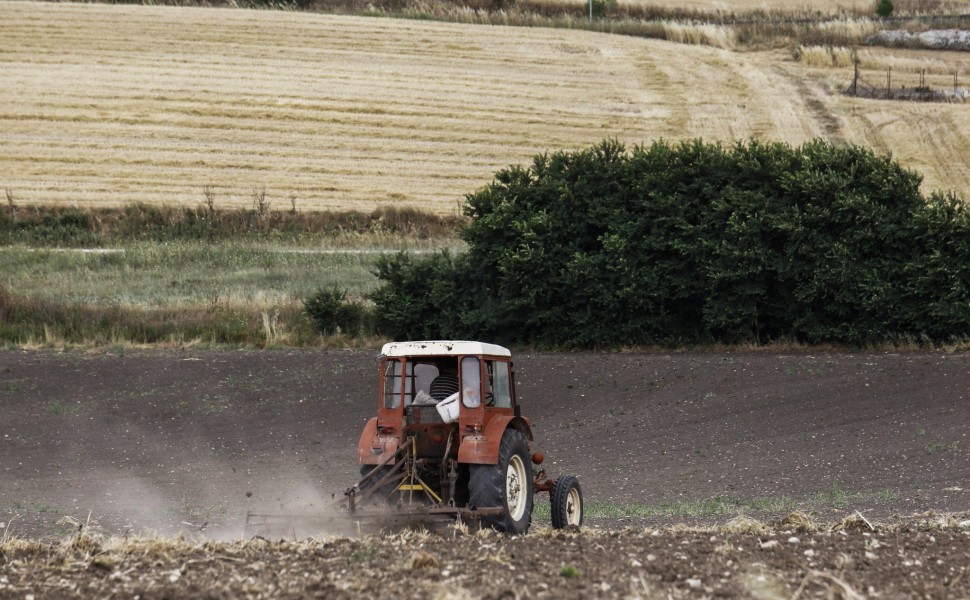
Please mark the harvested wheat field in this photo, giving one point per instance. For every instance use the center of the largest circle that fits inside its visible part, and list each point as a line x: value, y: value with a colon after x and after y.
x: 116, y: 104
x: 930, y: 137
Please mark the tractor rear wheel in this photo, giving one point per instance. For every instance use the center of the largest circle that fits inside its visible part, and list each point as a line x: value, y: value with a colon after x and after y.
x: 507, y: 484
x: 567, y: 502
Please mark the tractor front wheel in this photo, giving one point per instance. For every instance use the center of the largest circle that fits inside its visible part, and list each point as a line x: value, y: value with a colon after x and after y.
x: 567, y: 502
x: 507, y: 484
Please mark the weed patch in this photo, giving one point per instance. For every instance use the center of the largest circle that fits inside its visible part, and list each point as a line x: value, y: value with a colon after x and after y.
x: 833, y: 496
x: 709, y: 507
x: 568, y: 571
x: 365, y: 553
x: 721, y: 27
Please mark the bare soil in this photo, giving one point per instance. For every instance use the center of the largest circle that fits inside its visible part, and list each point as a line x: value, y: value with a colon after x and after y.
x: 131, y: 442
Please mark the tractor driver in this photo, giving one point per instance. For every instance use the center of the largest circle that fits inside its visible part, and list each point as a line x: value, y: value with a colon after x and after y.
x: 445, y: 384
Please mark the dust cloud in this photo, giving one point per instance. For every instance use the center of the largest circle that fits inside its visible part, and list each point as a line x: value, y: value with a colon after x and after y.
x: 153, y: 484
x: 175, y: 443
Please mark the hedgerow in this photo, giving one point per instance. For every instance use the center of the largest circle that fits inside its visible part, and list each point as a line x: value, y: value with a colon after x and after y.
x: 37, y: 225
x: 694, y: 243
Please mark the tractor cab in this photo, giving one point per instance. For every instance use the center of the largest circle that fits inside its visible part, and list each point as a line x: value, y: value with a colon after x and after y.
x: 441, y: 393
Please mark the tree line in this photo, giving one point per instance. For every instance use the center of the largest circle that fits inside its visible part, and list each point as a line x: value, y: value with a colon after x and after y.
x: 693, y: 243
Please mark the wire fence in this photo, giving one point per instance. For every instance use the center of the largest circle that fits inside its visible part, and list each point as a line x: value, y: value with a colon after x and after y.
x: 920, y: 91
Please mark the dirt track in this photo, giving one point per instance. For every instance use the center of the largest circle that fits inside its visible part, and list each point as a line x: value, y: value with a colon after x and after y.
x: 167, y: 441
x: 155, y: 439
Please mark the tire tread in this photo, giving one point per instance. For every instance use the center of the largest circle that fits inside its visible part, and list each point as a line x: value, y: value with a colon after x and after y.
x: 559, y: 497
x: 486, y: 484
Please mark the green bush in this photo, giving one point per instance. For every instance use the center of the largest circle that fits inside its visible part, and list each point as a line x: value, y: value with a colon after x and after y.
x: 884, y: 8
x: 425, y: 297
x: 332, y: 313
x: 694, y: 243
x: 67, y: 227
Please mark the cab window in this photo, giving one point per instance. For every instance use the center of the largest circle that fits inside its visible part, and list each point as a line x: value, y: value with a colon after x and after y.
x: 393, y: 383
x: 424, y: 375
x: 471, y: 382
x: 498, y: 390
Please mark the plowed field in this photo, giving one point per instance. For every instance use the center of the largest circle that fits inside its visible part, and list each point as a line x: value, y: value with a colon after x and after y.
x: 168, y: 441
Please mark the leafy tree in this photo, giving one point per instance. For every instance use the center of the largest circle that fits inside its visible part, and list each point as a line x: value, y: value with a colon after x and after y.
x: 331, y: 312
x: 693, y: 243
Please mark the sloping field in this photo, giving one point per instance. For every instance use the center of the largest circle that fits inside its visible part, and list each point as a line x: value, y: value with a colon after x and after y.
x: 116, y: 104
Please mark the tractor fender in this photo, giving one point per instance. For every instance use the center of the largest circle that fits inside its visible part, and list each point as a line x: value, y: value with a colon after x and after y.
x: 483, y: 449
x: 372, y: 448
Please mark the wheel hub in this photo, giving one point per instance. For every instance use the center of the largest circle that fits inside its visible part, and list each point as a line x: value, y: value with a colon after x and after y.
x: 514, y: 488
x: 573, y: 508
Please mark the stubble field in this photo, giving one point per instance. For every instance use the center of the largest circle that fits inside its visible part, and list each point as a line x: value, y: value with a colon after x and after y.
x: 119, y: 104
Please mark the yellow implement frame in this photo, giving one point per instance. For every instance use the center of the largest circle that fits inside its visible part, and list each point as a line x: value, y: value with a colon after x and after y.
x: 411, y: 482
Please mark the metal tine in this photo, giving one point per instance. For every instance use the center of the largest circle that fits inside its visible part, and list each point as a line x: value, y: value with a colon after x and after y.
x: 387, y: 478
x: 393, y: 473
x: 382, y: 463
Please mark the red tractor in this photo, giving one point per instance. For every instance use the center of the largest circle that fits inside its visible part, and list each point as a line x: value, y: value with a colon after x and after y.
x: 450, y: 439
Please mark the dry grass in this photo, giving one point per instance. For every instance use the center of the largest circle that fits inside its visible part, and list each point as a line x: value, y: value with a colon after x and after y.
x: 854, y: 522
x: 799, y: 522
x: 875, y: 61
x: 825, y: 56
x: 783, y: 7
x: 744, y: 525
x: 718, y: 36
x: 835, y: 587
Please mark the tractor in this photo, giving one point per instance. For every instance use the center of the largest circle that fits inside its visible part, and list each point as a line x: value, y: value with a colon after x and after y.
x: 450, y: 442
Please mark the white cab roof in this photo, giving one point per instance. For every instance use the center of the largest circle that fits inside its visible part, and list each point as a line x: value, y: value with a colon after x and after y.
x: 442, y: 347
